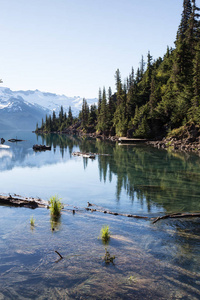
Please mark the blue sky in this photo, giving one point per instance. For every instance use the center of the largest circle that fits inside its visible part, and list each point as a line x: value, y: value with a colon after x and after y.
x: 73, y: 47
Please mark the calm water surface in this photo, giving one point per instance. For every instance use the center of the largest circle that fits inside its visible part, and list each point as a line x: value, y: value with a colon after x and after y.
x: 153, y: 261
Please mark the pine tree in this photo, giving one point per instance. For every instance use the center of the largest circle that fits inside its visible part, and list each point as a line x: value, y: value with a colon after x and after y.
x: 84, y: 114
x: 196, y: 79
x: 120, y: 120
x: 93, y: 115
x: 183, y: 27
x: 183, y: 54
x: 99, y: 101
x: 118, y: 82
x: 102, y: 117
x: 142, y: 66
x: 111, y: 108
x: 70, y: 116
x: 131, y: 96
x: 61, y: 114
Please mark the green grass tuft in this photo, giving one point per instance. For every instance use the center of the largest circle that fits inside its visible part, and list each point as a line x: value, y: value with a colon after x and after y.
x: 55, y: 206
x: 32, y: 221
x: 105, y: 233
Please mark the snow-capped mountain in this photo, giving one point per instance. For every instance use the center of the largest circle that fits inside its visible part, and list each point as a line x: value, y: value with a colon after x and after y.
x: 23, y: 109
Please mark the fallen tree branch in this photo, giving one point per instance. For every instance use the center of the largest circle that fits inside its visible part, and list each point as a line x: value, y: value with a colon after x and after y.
x: 177, y: 215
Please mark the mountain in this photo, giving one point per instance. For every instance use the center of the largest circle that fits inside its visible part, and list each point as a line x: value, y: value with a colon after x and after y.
x: 23, y: 109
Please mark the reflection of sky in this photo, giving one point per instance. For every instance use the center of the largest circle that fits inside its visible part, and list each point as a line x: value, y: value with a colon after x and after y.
x: 75, y: 179
x: 68, y: 179
x: 23, y: 155
x: 5, y: 153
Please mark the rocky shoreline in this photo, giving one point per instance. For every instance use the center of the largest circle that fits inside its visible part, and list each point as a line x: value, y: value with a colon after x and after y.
x: 186, y: 138
x: 174, y: 144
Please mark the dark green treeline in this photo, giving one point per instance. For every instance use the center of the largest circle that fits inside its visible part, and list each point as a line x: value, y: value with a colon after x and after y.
x: 161, y: 95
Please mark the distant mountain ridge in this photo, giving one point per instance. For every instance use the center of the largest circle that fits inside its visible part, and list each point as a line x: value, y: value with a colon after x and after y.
x: 23, y: 109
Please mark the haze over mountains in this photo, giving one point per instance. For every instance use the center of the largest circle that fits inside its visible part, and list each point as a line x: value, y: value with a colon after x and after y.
x: 22, y: 110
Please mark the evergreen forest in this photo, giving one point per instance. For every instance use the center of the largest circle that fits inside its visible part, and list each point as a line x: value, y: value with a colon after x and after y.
x: 163, y: 94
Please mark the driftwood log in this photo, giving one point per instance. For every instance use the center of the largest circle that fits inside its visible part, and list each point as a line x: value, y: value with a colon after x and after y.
x: 22, y: 202
x: 177, y: 215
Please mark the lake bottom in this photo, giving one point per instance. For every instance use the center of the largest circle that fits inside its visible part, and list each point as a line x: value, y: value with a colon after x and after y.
x: 152, y: 261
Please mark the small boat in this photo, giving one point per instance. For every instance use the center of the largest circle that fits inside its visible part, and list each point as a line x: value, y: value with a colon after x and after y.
x: 41, y: 147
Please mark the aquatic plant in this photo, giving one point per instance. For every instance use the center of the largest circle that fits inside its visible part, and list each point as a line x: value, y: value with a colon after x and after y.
x: 32, y: 221
x: 108, y: 258
x: 55, y: 206
x: 105, y: 233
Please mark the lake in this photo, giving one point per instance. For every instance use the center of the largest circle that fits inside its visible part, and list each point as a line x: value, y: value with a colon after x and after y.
x: 152, y: 261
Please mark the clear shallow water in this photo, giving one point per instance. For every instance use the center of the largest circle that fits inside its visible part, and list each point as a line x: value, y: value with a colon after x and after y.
x: 153, y: 261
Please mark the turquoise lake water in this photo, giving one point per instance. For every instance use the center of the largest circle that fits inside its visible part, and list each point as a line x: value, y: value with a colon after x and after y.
x: 153, y: 261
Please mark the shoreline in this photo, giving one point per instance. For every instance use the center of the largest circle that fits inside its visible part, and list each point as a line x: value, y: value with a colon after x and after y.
x: 175, y: 144
x: 188, y: 144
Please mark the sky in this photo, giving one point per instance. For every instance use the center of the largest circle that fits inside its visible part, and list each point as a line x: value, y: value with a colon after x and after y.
x: 74, y: 47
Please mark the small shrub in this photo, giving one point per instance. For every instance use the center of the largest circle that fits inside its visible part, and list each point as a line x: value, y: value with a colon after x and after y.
x: 32, y: 221
x: 178, y: 133
x: 55, y: 206
x: 105, y: 233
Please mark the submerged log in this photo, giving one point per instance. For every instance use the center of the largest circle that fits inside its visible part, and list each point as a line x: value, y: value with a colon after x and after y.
x: 177, y: 215
x: 114, y: 213
x: 33, y: 203
x: 22, y: 202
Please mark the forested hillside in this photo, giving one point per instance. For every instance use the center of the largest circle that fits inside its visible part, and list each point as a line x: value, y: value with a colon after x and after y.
x: 162, y: 94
